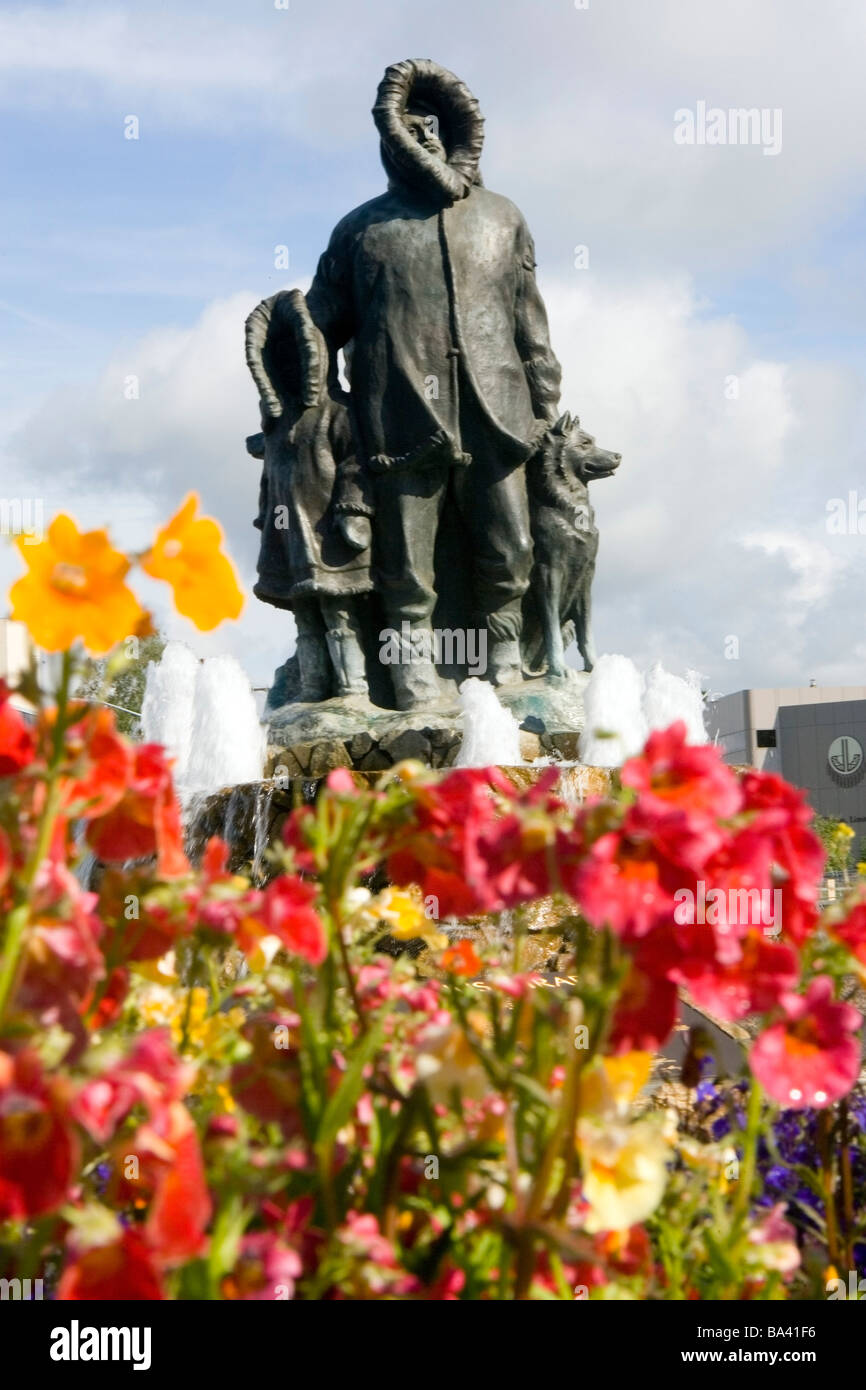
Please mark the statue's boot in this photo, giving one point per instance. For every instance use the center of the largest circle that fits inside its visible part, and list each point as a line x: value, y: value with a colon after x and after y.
x: 347, y: 659
x: 416, y: 684
x: 314, y: 669
x: 505, y: 666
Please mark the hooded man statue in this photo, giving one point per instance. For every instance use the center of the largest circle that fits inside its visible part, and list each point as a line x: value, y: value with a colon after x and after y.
x: 453, y: 377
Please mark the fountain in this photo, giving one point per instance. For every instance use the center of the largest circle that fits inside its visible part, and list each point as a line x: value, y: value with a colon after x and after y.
x: 491, y: 734
x: 204, y: 713
x: 670, y: 697
x: 166, y: 709
x: 622, y: 706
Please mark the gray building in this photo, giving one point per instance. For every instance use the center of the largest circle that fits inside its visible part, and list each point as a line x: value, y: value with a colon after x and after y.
x: 814, y: 736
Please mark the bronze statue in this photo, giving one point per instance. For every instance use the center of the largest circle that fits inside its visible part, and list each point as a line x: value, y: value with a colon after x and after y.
x: 430, y: 289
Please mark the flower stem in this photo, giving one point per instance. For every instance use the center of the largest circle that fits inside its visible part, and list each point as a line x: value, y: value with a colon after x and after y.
x: 750, y: 1152
x: 19, y: 917
x: 828, y: 1186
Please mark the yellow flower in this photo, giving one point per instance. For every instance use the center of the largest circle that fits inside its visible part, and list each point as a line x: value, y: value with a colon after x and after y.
x: 610, y: 1084
x: 74, y: 589
x: 448, y: 1059
x: 624, y: 1174
x: 405, y: 916
x: 187, y: 555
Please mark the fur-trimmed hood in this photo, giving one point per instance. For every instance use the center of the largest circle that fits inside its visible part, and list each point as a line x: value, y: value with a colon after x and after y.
x: 461, y: 128
x: 285, y: 353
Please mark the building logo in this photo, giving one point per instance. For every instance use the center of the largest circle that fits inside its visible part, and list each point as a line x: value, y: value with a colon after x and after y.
x: 845, y: 756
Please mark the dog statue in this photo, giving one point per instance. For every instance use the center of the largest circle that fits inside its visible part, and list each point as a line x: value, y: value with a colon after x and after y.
x: 558, y: 604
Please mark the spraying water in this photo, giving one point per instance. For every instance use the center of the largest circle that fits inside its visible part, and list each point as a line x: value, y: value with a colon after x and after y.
x: 166, y: 710
x: 669, y: 698
x: 491, y: 734
x: 616, y: 726
x: 204, y: 712
x: 621, y: 707
x: 227, y: 744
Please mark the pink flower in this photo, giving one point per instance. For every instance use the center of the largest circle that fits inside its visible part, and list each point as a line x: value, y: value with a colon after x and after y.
x: 152, y: 1074
x: 374, y: 1271
x: 776, y: 1240
x: 266, y: 1268
x: 812, y: 1057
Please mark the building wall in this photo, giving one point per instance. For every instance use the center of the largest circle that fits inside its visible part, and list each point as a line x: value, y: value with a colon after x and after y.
x: 804, y: 734
x: 728, y: 726
x: 734, y: 720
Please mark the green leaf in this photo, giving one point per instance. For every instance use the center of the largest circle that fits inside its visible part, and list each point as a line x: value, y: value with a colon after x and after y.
x: 225, y: 1241
x: 345, y: 1098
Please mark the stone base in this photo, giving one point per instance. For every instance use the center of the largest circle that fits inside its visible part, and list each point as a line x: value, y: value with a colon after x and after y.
x: 309, y: 740
x: 251, y: 816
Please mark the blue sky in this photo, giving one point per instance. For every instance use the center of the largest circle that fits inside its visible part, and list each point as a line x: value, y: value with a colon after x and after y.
x: 144, y: 256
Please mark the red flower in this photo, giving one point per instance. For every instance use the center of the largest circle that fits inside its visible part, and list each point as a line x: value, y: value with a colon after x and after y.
x: 624, y: 884
x: 62, y: 961
x: 812, y: 1057
x: 17, y: 740
x: 123, y: 1270
x: 852, y: 932
x: 169, y: 1172
x: 753, y: 983
x: 671, y: 775
x: 103, y: 762
x: 146, y: 821
x: 286, y: 912
x: 181, y: 1206
x: 38, y: 1147
x: 783, y: 817
x: 268, y: 1083
x: 646, y: 1009
x: 475, y: 843
x: 448, y: 1286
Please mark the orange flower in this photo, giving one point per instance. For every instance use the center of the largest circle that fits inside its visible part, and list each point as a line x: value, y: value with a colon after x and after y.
x: 462, y: 959
x: 187, y: 555
x: 74, y: 589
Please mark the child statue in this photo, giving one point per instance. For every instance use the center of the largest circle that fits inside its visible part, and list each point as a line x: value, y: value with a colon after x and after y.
x: 314, y: 511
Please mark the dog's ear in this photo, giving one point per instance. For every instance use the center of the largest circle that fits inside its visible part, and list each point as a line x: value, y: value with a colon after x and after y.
x: 563, y: 424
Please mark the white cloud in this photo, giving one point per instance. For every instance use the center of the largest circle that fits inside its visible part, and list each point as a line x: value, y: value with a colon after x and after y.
x: 714, y: 526
x: 578, y: 103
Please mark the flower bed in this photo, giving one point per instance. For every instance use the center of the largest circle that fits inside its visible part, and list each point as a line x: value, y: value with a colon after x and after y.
x: 211, y: 1089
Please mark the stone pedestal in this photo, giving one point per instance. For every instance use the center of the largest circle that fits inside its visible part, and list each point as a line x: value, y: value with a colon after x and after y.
x: 309, y: 740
